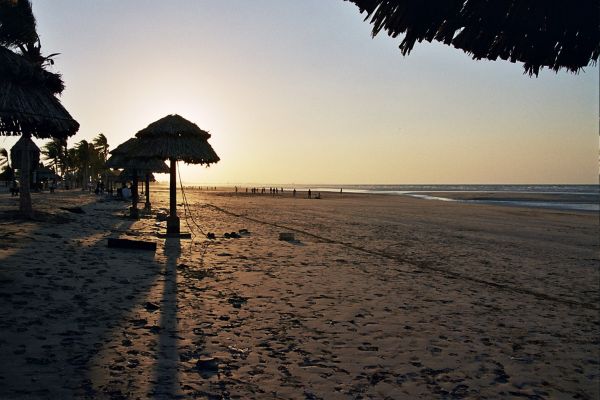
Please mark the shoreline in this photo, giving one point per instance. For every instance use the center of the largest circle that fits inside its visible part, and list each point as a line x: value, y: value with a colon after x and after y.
x: 582, y: 202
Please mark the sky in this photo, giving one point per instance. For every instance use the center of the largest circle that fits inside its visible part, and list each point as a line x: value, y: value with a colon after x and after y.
x: 298, y: 91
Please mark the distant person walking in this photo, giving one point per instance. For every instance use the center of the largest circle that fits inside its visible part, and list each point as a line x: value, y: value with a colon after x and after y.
x: 309, y: 194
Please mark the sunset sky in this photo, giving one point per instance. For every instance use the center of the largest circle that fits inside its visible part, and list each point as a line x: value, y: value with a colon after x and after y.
x: 297, y: 91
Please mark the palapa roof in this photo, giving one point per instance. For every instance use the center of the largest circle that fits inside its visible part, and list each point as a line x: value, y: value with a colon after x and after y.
x: 141, y: 164
x: 173, y: 137
x: 120, y: 159
x: 554, y: 34
x: 28, y: 102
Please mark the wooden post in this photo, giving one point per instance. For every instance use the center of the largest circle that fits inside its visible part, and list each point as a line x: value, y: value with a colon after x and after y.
x: 173, y: 219
x: 147, y: 206
x: 25, y: 155
x: 25, y: 207
x: 134, y: 196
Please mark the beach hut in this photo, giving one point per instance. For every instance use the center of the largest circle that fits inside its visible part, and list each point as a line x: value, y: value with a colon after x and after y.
x: 25, y: 149
x: 551, y: 34
x: 29, y: 107
x: 176, y: 139
x: 137, y: 168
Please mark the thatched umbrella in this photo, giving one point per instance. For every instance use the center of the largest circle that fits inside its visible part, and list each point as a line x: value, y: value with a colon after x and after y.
x: 29, y: 107
x: 551, y: 34
x: 174, y: 138
x: 127, y: 175
x: 139, y: 167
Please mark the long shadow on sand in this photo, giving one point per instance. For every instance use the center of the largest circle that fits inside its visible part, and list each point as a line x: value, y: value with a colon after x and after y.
x: 165, y: 382
x: 61, y: 294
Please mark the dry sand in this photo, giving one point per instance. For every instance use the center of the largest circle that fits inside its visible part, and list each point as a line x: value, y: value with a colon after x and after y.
x: 383, y: 297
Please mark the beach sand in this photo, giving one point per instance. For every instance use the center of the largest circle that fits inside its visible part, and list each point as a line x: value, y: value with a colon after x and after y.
x: 382, y: 297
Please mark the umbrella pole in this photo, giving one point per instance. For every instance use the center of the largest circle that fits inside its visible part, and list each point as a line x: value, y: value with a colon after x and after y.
x: 134, y: 196
x: 147, y: 206
x: 25, y: 207
x: 173, y: 219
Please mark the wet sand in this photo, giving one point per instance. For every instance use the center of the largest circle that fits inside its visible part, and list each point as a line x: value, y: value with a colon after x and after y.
x: 378, y: 297
x: 568, y: 198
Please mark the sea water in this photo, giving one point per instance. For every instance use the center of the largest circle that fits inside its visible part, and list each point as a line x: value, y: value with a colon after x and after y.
x: 584, y: 197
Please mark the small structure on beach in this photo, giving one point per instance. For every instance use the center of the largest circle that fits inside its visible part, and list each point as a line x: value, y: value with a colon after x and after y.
x: 136, y: 167
x: 176, y: 139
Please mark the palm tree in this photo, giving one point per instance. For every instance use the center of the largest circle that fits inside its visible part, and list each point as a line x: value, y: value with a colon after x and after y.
x: 101, y: 145
x: 52, y: 151
x: 7, y: 172
x: 17, y: 23
x: 84, y: 151
x: 71, y: 163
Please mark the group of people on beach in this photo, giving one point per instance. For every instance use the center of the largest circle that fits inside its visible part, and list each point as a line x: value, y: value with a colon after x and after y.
x: 273, y: 191
x: 254, y: 190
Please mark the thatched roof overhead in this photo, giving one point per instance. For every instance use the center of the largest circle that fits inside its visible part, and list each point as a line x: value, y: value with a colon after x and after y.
x: 544, y: 33
x: 120, y: 160
x: 124, y: 147
x: 27, y: 100
x: 173, y: 137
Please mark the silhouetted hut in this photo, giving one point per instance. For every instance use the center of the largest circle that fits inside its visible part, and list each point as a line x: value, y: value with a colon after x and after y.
x: 29, y: 107
x: 45, y: 175
x: 138, y: 167
x: 174, y: 138
x: 25, y: 149
x: 551, y: 34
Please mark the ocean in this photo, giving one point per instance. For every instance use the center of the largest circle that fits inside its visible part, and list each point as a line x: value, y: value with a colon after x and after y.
x: 559, y: 197
x: 562, y: 197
